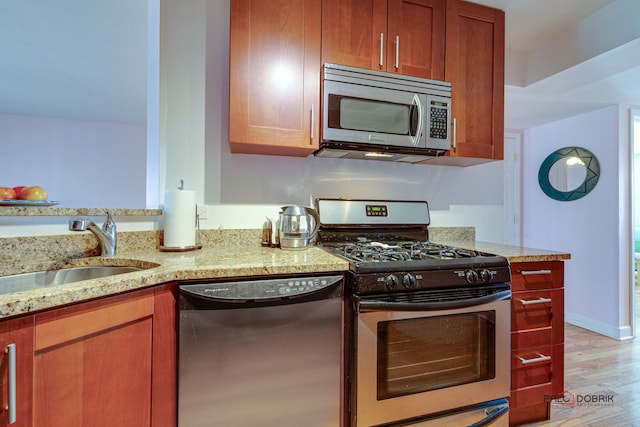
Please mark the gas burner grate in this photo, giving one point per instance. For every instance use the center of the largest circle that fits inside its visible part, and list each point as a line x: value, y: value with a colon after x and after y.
x: 374, y: 252
x: 401, y: 251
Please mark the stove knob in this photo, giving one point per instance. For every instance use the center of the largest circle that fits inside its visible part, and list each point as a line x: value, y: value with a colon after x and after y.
x: 391, y: 281
x: 409, y: 281
x: 471, y: 276
x: 486, y: 275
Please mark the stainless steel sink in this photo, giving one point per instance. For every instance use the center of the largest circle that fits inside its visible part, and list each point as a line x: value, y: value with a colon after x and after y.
x: 44, y: 279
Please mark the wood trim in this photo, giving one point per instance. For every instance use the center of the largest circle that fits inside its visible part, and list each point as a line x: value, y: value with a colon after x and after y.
x: 164, y: 388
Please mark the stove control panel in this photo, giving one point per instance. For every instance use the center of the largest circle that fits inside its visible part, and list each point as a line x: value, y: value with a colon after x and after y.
x: 409, y: 281
x: 402, y: 281
x: 377, y: 210
x: 483, y: 275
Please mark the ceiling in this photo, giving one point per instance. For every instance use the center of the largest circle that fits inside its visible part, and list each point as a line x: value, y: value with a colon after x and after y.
x: 87, y: 59
x: 74, y: 59
x: 565, y: 57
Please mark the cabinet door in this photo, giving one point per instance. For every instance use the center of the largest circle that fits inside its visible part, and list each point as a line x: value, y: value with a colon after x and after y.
x: 416, y: 38
x: 19, y: 333
x: 354, y: 33
x: 92, y: 363
x: 475, y: 67
x: 274, y: 77
x: 401, y: 36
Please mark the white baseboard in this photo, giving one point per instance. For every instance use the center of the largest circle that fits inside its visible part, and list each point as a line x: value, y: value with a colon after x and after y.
x: 618, y: 333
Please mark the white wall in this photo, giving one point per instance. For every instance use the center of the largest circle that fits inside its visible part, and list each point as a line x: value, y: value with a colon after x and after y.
x: 239, y: 179
x: 592, y: 228
x: 81, y: 163
x: 193, y: 145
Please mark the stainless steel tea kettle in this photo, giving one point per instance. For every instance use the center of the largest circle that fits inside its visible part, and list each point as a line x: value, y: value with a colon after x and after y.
x: 298, y: 226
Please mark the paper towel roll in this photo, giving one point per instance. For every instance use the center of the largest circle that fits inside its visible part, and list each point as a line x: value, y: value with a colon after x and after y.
x: 179, y: 218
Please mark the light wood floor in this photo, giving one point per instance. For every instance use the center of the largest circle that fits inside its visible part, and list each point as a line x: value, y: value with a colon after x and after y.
x: 596, y: 365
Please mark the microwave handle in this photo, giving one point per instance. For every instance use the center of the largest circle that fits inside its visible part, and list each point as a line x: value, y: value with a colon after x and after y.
x: 417, y: 118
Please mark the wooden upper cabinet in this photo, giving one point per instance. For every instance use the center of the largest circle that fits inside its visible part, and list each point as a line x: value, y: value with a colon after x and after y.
x: 274, y: 77
x: 416, y: 42
x: 475, y: 67
x: 400, y: 36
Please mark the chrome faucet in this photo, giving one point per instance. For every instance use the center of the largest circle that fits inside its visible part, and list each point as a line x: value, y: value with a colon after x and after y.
x: 106, y: 235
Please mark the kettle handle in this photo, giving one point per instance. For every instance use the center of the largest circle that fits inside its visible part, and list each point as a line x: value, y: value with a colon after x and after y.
x: 316, y: 221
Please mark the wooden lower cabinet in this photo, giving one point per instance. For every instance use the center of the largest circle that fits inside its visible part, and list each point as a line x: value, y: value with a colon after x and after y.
x: 107, y: 362
x: 17, y: 333
x: 92, y: 364
x: 537, y: 339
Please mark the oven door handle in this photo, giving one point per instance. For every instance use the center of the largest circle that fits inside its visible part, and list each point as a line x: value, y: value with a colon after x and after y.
x: 364, y: 305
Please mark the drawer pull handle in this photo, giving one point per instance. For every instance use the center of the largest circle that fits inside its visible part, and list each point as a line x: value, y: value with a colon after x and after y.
x: 532, y: 272
x: 312, y: 124
x: 12, y: 403
x: 542, y: 358
x: 535, y: 301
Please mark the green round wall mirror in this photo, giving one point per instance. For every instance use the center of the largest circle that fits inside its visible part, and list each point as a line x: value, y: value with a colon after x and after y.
x: 569, y: 173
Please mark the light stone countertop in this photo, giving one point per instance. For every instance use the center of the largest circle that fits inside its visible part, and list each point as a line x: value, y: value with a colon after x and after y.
x: 213, y: 262
x: 512, y: 253
x: 57, y: 211
x: 206, y: 263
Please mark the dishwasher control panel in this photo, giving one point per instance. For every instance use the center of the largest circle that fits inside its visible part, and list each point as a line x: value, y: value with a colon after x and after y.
x: 267, y: 289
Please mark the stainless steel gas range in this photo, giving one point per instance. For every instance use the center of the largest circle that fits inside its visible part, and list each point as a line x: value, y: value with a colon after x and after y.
x: 429, y: 324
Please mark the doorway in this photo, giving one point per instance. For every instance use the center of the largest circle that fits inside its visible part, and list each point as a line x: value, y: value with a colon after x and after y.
x: 635, y: 207
x: 512, y: 189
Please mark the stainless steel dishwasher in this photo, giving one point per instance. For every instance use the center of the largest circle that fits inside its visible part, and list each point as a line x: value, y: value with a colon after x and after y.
x: 261, y: 352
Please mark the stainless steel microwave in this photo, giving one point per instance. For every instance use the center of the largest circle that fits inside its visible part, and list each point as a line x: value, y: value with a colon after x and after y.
x: 370, y: 114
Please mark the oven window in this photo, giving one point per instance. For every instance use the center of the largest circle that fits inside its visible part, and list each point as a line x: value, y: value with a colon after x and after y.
x: 369, y: 115
x: 429, y: 353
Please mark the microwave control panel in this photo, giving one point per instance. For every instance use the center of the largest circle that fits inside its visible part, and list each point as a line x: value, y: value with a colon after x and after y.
x: 439, y: 119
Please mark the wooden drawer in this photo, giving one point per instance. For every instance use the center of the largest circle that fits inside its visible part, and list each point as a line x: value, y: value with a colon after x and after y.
x: 527, y: 276
x: 535, y: 367
x: 539, y: 312
x: 530, y: 367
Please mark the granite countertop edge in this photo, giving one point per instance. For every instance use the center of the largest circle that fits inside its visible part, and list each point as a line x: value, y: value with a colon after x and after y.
x: 512, y: 253
x: 217, y: 262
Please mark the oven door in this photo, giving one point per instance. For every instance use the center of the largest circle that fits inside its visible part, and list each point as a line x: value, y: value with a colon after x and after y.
x: 416, y: 355
x: 373, y: 115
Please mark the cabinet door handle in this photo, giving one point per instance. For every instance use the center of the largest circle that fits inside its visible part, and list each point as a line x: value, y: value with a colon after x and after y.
x: 455, y: 133
x: 381, y: 62
x: 535, y: 301
x: 11, y: 407
x: 532, y: 272
x: 312, y: 122
x: 541, y: 358
x: 397, y: 52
